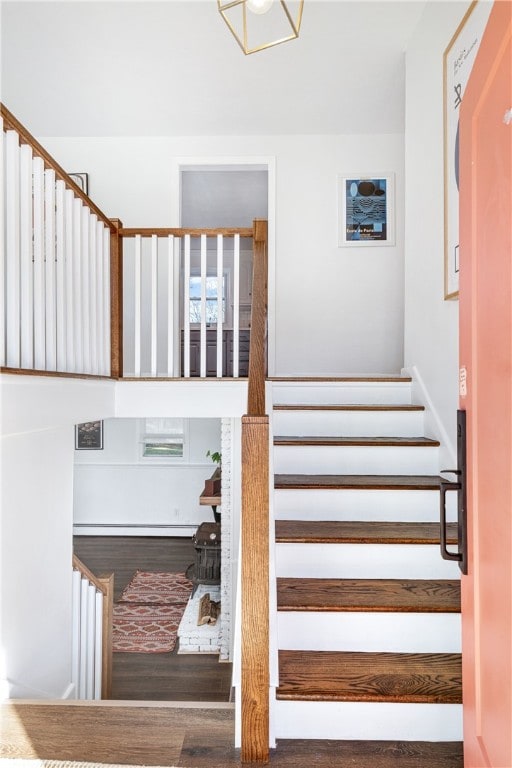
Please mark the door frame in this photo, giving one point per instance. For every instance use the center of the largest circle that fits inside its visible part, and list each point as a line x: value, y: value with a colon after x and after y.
x: 241, y: 163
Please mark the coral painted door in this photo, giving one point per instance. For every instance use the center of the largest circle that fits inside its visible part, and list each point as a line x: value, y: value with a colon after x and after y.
x: 486, y: 354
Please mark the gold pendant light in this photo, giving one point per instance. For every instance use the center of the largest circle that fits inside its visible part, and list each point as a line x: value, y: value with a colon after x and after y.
x: 260, y: 24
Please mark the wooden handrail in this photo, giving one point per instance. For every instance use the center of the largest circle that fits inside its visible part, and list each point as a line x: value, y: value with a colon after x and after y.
x: 105, y: 585
x: 89, y: 575
x: 11, y: 123
x: 182, y: 231
x: 258, y: 346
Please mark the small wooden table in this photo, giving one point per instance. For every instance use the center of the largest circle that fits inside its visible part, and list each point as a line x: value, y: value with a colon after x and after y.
x: 211, y: 495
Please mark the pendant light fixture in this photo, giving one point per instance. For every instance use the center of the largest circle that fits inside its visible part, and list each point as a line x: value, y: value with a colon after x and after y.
x: 260, y: 24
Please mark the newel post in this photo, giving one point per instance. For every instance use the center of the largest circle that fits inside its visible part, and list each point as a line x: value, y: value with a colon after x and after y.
x: 255, y: 525
x: 116, y: 300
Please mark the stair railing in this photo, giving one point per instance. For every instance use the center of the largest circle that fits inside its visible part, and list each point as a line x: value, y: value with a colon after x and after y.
x: 93, y: 601
x: 183, y: 313
x: 255, y: 525
x: 56, y: 264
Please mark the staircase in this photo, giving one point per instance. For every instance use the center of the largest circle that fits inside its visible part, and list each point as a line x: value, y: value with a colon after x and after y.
x: 368, y: 614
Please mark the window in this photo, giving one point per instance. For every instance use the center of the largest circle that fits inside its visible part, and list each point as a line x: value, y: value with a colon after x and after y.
x: 164, y: 439
x: 211, y: 299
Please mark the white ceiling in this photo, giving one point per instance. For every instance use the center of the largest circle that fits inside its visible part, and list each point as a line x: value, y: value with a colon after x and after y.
x: 86, y: 68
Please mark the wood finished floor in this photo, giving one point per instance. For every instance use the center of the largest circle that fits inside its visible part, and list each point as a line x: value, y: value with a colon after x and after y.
x: 154, y: 676
x: 188, y: 738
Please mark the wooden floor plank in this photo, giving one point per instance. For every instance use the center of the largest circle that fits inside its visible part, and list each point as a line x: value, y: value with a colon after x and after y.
x: 373, y: 482
x: 395, y: 442
x: 401, y: 595
x: 154, y: 676
x: 360, y: 532
x: 389, y: 677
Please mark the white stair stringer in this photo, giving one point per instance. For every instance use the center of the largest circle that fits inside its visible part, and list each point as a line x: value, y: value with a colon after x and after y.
x: 365, y: 630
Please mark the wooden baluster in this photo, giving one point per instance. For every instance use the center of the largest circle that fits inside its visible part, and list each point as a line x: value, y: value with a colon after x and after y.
x: 60, y: 285
x: 220, y: 300
x: 107, y: 582
x: 116, y: 300
x: 204, y: 274
x: 49, y: 258
x: 236, y: 305
x: 186, y: 308
x: 12, y: 255
x: 154, y: 304
x: 27, y: 273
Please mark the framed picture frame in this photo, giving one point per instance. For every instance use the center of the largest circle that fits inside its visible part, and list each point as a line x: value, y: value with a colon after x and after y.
x: 81, y: 180
x: 89, y: 436
x: 366, y: 209
x: 458, y: 60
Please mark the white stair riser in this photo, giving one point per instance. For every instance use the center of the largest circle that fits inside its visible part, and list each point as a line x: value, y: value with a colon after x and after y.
x: 342, y: 393
x: 367, y: 632
x: 355, y: 504
x: 363, y: 561
x: 349, y: 423
x: 355, y: 460
x: 367, y: 720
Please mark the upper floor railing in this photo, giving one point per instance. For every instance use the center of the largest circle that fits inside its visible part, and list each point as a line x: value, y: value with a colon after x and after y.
x: 82, y: 295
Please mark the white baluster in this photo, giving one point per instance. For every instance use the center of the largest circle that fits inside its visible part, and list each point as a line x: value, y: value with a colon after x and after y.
x: 100, y: 287
x: 186, y: 309
x: 98, y: 646
x: 84, y: 605
x: 27, y: 272
x: 68, y: 279
x: 220, y: 320
x: 236, y: 305
x: 2, y: 248
x: 39, y: 293
x: 137, y: 279
x: 60, y: 245
x: 91, y: 639
x: 12, y: 239
x: 49, y: 257
x: 93, y: 315
x: 106, y: 300
x: 85, y: 270
x: 77, y: 285
x: 154, y: 303
x: 204, y: 270
x: 170, y: 304
x: 75, y: 640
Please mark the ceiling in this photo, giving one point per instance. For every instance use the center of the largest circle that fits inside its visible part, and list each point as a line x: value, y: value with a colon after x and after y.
x: 87, y: 68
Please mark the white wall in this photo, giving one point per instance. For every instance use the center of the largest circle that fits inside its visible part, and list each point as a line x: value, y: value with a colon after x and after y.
x: 336, y: 310
x: 38, y: 415
x: 117, y: 487
x: 431, y: 324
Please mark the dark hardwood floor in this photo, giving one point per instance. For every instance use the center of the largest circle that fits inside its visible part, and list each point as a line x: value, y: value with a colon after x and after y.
x: 154, y: 676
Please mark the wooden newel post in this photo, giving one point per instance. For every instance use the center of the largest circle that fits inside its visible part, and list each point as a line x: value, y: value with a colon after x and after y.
x: 116, y: 300
x: 255, y: 589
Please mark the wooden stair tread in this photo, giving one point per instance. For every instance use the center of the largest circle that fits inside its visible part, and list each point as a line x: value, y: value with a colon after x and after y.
x: 374, y: 482
x: 360, y: 532
x: 396, y: 442
x: 401, y: 595
x: 386, y: 677
x: 334, y: 407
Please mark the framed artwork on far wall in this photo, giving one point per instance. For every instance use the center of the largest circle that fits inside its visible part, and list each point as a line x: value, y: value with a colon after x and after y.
x: 366, y: 209
x: 81, y: 180
x: 458, y: 61
x: 89, y: 436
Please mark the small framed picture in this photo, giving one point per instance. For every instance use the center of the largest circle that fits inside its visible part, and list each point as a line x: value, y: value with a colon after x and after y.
x: 89, y: 436
x: 81, y: 180
x: 366, y: 209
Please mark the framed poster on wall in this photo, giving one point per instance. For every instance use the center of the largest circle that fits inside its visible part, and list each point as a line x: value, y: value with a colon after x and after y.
x: 366, y: 209
x: 89, y: 436
x: 458, y: 61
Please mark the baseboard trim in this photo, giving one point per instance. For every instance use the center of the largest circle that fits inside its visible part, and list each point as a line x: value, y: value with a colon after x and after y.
x: 123, y: 529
